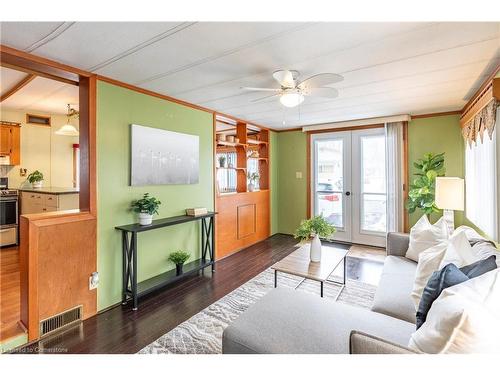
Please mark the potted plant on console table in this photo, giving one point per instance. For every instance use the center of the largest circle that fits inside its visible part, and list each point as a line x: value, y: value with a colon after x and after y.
x: 314, y: 228
x: 178, y: 257
x: 36, y: 179
x: 146, y: 207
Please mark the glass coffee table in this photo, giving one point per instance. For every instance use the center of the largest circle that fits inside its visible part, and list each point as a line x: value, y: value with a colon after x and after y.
x: 299, y: 263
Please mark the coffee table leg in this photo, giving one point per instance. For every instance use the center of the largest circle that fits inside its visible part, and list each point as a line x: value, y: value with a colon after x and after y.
x: 275, y: 278
x: 321, y: 289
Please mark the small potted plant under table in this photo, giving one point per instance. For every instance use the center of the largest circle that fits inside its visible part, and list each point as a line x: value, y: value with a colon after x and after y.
x: 146, y: 208
x: 178, y: 257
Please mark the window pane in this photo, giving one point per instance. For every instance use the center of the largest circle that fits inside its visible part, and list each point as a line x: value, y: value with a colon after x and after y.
x: 253, y: 167
x: 373, y: 217
x: 329, y: 165
x: 330, y: 206
x: 373, y: 164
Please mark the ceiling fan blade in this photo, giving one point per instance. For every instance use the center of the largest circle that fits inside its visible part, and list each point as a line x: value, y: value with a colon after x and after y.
x: 321, y: 92
x: 260, y: 89
x: 320, y: 80
x: 286, y: 78
x: 263, y: 99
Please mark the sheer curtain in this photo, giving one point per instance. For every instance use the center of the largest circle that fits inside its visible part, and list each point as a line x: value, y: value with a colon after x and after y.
x: 394, y: 175
x: 481, y: 184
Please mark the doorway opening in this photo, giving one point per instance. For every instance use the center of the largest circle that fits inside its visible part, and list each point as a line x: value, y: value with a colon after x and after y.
x: 348, y: 184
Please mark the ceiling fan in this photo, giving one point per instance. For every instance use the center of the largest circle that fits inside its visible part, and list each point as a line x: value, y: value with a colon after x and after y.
x: 293, y: 92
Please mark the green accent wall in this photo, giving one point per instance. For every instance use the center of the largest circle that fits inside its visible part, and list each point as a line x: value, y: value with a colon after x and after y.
x: 432, y: 134
x: 117, y: 108
x: 437, y: 134
x: 292, y: 191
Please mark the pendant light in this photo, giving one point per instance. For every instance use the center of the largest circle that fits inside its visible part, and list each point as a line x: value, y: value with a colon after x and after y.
x: 68, y: 129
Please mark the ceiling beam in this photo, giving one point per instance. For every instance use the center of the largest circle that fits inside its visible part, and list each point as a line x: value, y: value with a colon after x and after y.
x: 18, y: 86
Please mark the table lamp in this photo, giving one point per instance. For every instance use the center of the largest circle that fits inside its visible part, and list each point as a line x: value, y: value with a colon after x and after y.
x: 450, y: 197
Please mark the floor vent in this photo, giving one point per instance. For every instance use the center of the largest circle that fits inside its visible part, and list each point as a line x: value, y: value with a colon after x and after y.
x: 60, y: 321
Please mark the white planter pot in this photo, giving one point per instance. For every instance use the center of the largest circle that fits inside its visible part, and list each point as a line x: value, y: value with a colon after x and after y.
x: 316, y: 249
x: 145, y: 218
x: 251, y: 187
x: 37, y: 185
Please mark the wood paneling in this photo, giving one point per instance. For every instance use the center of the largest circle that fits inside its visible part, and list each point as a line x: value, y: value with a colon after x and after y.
x: 55, y: 273
x: 87, y: 145
x: 246, y: 219
x: 237, y: 214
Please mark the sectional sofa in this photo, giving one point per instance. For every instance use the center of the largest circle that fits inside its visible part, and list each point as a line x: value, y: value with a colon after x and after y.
x: 290, y: 321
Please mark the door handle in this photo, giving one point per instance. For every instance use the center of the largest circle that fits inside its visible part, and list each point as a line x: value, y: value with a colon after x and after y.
x: 347, y: 193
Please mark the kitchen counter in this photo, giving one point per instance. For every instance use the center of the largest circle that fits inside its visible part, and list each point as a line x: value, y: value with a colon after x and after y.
x: 51, y: 190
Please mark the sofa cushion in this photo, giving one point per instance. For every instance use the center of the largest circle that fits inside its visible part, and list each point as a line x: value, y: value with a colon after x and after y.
x: 289, y: 321
x: 393, y: 296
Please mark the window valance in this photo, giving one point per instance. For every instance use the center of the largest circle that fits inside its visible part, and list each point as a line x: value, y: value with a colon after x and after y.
x: 483, y: 121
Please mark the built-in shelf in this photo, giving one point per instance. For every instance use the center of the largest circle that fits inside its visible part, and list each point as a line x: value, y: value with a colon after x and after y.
x: 232, y: 168
x: 230, y: 144
x: 258, y: 158
x: 256, y: 142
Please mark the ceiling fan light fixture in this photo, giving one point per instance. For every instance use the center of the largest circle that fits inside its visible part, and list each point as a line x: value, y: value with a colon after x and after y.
x: 291, y: 99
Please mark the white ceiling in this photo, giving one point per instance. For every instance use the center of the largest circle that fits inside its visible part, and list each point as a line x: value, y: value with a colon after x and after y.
x: 389, y: 68
x: 40, y: 95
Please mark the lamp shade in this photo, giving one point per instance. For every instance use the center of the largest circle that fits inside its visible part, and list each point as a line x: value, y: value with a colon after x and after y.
x: 68, y: 129
x: 450, y: 193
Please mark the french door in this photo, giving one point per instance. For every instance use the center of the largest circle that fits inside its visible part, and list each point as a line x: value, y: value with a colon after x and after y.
x: 348, y: 184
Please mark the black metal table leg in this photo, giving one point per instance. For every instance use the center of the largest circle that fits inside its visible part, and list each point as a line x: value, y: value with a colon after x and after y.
x: 124, y: 267
x: 212, y: 241
x: 134, y: 269
x: 275, y: 278
x: 321, y: 289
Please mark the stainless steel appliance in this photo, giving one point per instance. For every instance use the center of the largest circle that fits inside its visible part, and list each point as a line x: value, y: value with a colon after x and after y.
x: 9, y: 214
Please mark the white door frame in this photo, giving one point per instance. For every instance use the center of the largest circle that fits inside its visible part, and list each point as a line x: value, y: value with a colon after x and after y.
x: 351, y: 194
x: 344, y: 233
x: 360, y: 235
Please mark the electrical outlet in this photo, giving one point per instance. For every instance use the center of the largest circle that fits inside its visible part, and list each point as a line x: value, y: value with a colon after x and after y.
x: 93, y: 280
x: 298, y: 175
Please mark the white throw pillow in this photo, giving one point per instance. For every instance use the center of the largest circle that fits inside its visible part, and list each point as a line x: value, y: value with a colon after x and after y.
x: 428, y: 262
x: 464, y: 319
x: 424, y: 235
x: 459, y: 251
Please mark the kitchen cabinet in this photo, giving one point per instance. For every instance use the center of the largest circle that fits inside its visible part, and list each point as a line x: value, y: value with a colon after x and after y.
x: 34, y: 203
x: 10, y: 143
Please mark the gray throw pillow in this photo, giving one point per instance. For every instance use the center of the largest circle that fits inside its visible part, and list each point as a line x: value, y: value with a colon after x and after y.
x: 448, y: 276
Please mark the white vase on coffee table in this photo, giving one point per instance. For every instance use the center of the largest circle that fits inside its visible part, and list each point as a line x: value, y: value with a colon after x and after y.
x: 315, y: 249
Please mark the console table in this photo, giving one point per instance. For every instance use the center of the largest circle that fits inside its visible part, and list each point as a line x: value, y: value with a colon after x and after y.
x: 133, y: 290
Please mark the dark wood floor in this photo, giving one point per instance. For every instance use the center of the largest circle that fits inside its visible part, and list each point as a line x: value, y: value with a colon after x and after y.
x: 121, y: 330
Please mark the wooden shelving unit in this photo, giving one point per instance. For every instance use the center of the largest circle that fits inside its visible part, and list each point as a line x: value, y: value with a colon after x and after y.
x: 250, y: 141
x: 244, y: 216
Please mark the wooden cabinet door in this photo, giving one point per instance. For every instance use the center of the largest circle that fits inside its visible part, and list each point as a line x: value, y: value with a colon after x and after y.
x: 5, y: 140
x: 15, y: 145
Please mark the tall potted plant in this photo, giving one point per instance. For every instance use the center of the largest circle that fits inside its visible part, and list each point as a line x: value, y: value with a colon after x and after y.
x: 146, y: 207
x: 422, y: 191
x: 36, y: 179
x: 314, y: 228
